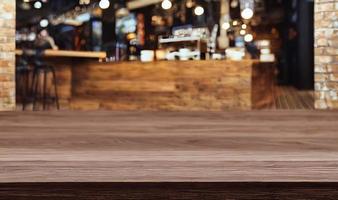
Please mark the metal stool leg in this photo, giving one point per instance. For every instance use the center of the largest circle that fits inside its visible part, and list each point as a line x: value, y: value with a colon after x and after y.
x: 18, y: 88
x: 55, y: 89
x: 44, y: 101
x: 35, y: 85
x: 26, y: 89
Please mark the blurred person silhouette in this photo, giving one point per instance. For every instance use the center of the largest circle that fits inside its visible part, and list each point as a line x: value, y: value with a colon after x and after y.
x: 45, y: 41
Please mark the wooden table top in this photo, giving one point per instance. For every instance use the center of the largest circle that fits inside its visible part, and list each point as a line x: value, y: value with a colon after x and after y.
x: 267, y: 146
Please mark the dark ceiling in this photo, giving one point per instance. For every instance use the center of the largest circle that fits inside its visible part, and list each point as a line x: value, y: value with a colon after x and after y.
x: 26, y: 17
x: 56, y: 7
x: 51, y: 7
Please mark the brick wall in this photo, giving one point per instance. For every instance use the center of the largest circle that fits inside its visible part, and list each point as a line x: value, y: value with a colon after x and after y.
x: 7, y: 57
x: 326, y: 54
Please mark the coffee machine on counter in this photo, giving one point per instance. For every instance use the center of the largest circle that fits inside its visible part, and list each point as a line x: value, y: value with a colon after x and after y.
x: 185, y: 43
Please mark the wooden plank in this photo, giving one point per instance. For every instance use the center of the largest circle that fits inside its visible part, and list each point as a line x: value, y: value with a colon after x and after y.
x: 178, y: 191
x: 297, y: 100
x: 291, y: 103
x: 287, y: 97
x: 195, y: 85
x: 284, y: 101
x: 291, y: 146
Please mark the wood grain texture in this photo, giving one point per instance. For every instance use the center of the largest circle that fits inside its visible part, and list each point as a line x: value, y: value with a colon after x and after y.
x: 174, y: 86
x: 163, y: 86
x: 169, y: 191
x: 287, y: 146
x: 289, y: 98
x: 263, y: 85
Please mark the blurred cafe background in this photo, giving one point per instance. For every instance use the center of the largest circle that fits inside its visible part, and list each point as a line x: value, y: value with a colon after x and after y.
x: 164, y: 54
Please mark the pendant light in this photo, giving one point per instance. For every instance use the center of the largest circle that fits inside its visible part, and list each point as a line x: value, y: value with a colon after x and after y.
x: 37, y: 5
x: 199, y: 10
x: 84, y: 2
x: 234, y: 3
x: 226, y: 25
x: 242, y: 32
x: 248, y: 38
x: 104, y: 4
x: 166, y: 4
x: 44, y: 23
x: 189, y: 3
x: 247, y: 9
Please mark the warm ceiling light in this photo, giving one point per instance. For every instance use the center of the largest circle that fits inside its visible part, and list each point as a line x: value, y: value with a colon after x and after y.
x: 234, y: 3
x: 244, y: 26
x: 247, y: 13
x: 166, y: 4
x: 25, y: 6
x: 247, y: 8
x: 248, y: 38
x: 84, y: 2
x: 104, y: 4
x: 242, y: 32
x: 37, y: 5
x: 199, y: 10
x: 189, y: 4
x: 226, y: 25
x: 44, y: 23
x: 235, y: 23
x: 26, y: 1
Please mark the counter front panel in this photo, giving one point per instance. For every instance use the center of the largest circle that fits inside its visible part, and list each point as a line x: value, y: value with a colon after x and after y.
x: 174, y: 86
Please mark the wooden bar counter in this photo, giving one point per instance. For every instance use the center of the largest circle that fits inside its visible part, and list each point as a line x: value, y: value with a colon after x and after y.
x: 174, y: 85
x: 84, y: 83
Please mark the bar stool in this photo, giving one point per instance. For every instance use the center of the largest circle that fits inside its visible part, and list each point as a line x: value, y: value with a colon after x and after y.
x: 40, y: 92
x: 22, y: 78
